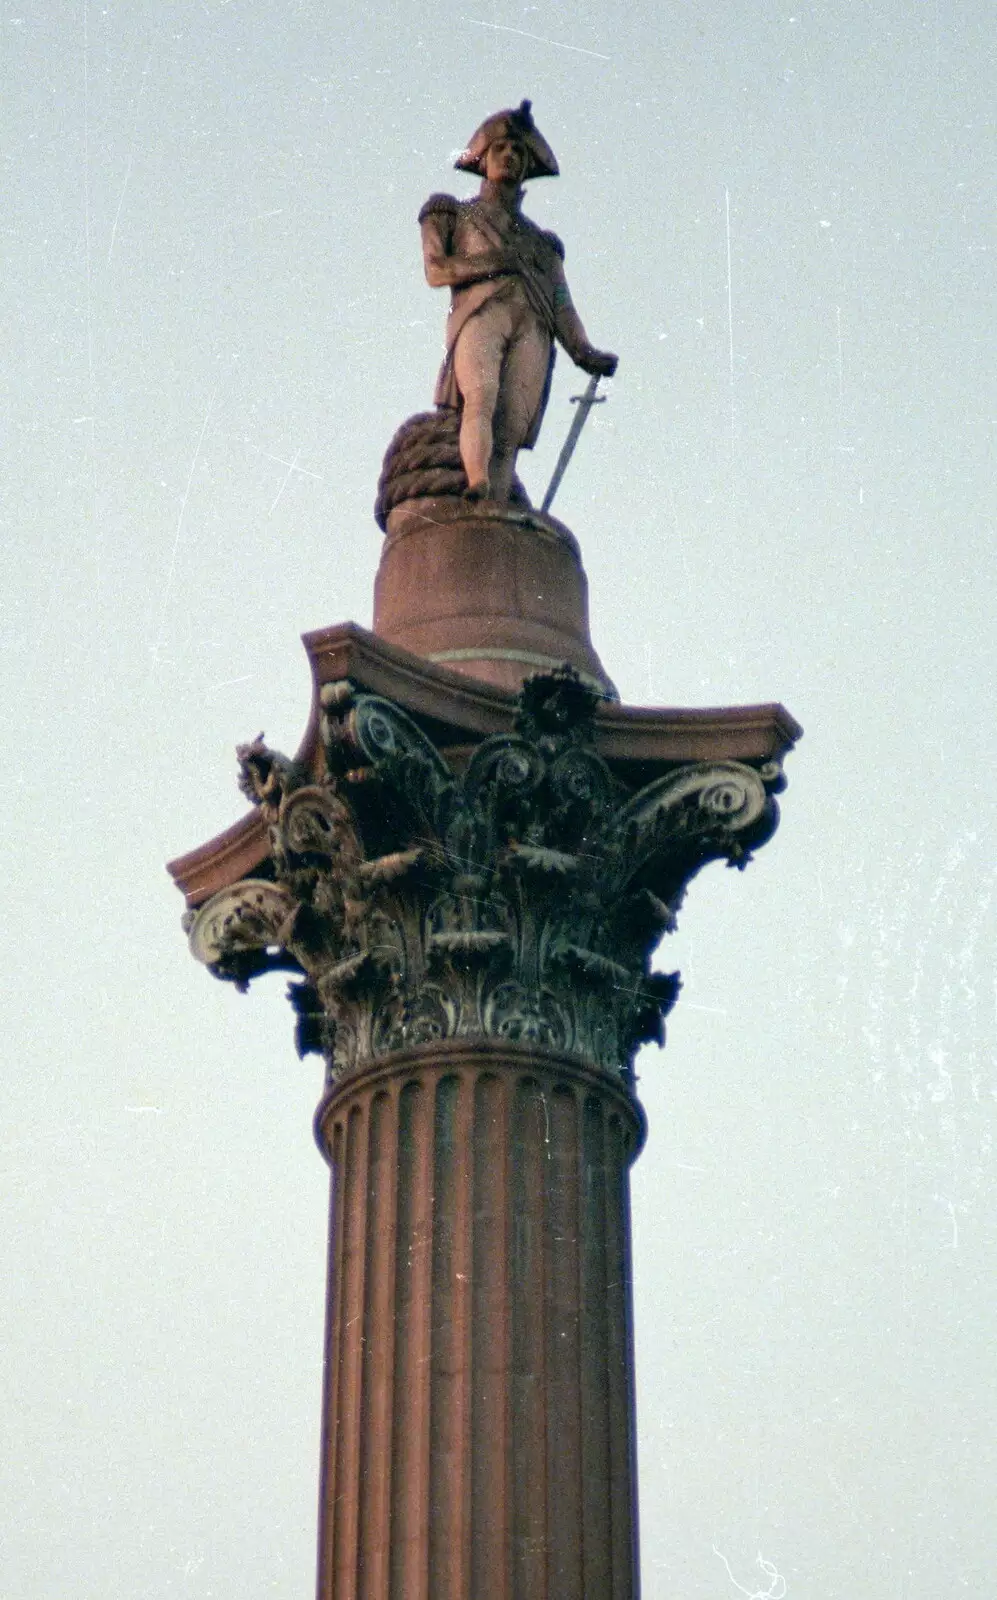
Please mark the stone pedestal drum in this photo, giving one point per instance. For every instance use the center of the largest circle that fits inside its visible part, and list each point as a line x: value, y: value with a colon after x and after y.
x: 493, y: 591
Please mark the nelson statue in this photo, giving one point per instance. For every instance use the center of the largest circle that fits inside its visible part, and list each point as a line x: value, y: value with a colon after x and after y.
x: 510, y: 303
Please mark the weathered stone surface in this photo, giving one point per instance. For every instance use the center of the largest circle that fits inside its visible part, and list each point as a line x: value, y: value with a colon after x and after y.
x: 492, y: 592
x: 515, y: 892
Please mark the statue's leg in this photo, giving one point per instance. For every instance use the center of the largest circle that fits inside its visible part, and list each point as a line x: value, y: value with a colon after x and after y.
x: 478, y: 358
x: 524, y: 380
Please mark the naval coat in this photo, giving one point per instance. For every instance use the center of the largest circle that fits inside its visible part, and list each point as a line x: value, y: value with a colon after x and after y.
x: 465, y: 229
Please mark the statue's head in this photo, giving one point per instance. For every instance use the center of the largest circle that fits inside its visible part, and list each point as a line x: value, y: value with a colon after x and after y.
x: 513, y: 128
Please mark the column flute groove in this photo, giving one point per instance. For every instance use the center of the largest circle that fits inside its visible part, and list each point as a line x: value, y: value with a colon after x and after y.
x: 378, y: 1335
x: 529, y: 1396
x: 346, y: 1511
x: 595, y: 1421
x: 409, y: 1569
x: 623, y: 1466
x: 449, y: 1401
x: 491, y: 1485
x: 333, y: 1347
x: 564, y: 1432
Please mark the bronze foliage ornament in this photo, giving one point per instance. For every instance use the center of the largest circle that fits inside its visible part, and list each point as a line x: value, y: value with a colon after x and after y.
x: 516, y: 892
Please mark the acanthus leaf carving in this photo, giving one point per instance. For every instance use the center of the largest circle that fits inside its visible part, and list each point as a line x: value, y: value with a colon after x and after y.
x: 522, y: 899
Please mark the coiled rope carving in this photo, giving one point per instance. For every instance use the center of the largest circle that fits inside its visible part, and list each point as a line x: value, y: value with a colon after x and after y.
x: 422, y: 462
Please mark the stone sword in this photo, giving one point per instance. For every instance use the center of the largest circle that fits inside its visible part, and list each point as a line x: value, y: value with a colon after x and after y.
x: 584, y: 402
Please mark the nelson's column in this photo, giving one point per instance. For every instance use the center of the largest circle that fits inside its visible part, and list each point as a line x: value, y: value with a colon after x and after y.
x: 466, y: 869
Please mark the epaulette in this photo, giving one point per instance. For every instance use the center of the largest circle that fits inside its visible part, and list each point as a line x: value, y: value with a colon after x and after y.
x: 438, y: 203
x: 554, y: 241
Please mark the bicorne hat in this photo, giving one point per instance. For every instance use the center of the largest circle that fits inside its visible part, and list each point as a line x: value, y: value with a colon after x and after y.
x: 513, y: 124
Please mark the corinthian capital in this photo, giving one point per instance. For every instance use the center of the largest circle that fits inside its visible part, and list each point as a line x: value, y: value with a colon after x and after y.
x: 516, y: 890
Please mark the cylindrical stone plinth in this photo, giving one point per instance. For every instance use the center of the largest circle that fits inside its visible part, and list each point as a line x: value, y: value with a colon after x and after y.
x: 495, y: 593
x: 478, y: 1439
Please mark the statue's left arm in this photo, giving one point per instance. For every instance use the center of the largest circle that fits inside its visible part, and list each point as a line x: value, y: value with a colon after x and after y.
x: 570, y: 330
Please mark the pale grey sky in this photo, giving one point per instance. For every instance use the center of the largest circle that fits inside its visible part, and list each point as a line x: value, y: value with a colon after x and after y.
x: 781, y: 216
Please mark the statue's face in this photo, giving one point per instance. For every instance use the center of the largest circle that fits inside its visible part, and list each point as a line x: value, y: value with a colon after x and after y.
x: 505, y: 161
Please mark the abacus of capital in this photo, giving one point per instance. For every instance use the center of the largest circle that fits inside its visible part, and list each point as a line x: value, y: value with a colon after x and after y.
x: 466, y: 869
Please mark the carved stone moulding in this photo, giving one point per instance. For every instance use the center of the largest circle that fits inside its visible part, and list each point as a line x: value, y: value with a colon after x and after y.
x: 478, y: 1060
x: 457, y: 710
x: 510, y: 890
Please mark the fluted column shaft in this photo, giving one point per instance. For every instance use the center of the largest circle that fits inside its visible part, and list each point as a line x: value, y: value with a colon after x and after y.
x: 478, y: 1438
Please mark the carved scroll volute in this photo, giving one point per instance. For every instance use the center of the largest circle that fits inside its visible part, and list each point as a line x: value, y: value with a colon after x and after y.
x: 698, y: 813
x: 320, y: 857
x: 314, y: 821
x: 241, y: 931
x: 364, y: 734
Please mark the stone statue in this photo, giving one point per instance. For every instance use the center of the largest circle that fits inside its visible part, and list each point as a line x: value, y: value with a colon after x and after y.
x: 510, y: 302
